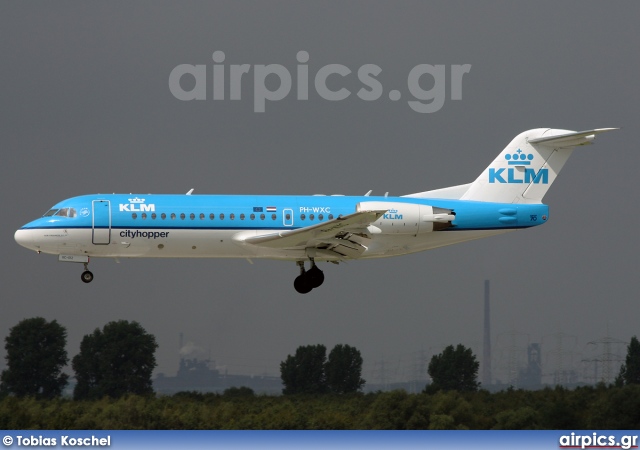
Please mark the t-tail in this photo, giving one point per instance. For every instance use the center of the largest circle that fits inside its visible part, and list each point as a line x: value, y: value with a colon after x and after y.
x: 527, y: 167
x: 524, y: 170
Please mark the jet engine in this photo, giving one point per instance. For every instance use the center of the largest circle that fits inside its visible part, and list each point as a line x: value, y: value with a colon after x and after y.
x: 407, y: 218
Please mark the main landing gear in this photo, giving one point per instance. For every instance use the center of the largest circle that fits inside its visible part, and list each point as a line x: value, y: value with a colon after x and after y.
x: 86, y: 276
x: 308, y: 279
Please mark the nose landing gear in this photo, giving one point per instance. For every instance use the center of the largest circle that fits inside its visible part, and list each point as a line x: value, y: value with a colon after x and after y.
x: 86, y: 276
x: 308, y: 279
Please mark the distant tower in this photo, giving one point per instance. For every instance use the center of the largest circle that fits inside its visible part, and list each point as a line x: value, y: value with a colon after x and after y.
x: 486, y: 356
x: 609, y: 360
x: 531, y: 376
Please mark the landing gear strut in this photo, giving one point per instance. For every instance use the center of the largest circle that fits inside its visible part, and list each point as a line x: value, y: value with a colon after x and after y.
x: 86, y: 276
x: 308, y: 279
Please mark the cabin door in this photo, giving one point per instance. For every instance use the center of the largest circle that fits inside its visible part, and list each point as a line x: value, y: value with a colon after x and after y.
x: 101, y: 222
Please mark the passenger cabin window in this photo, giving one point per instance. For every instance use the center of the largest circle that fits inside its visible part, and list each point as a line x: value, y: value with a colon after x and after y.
x: 212, y: 216
x: 182, y: 216
x: 163, y: 216
x: 201, y: 216
x: 192, y: 216
x: 173, y: 216
x: 143, y: 215
x: 241, y: 216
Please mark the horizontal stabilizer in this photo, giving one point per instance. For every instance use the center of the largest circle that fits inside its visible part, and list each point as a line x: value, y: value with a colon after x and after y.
x: 570, y: 139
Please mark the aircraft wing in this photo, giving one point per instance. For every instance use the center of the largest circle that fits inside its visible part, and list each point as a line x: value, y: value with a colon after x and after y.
x: 345, y: 236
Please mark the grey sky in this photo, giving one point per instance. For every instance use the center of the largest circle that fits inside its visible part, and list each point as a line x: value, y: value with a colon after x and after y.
x: 86, y: 108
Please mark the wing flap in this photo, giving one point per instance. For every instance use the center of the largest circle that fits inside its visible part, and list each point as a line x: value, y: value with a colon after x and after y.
x: 347, y: 250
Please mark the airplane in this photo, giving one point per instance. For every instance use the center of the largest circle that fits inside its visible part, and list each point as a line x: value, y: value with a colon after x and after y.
x: 506, y: 196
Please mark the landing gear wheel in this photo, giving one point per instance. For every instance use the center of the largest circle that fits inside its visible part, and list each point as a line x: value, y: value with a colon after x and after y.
x: 86, y: 276
x: 302, y: 284
x: 315, y: 276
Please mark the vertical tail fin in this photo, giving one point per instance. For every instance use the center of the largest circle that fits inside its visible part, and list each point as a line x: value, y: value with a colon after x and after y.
x: 525, y: 169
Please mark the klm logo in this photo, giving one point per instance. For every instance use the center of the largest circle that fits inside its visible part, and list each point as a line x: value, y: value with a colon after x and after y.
x: 514, y: 176
x: 511, y: 175
x: 392, y: 214
x: 137, y: 205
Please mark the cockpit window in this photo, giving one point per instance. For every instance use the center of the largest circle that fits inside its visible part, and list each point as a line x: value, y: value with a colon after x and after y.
x: 51, y: 212
x: 65, y: 212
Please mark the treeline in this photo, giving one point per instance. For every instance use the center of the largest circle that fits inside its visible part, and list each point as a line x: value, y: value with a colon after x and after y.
x: 114, y: 391
x: 597, y: 407
x: 114, y: 361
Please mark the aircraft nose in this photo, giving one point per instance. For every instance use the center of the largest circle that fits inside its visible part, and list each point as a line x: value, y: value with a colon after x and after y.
x: 24, y: 238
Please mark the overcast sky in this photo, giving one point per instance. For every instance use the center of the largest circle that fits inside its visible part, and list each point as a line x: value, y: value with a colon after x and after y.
x: 86, y: 108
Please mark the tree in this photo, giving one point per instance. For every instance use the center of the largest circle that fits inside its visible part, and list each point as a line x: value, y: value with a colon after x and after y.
x: 304, y: 372
x: 454, y: 369
x: 116, y: 361
x: 309, y: 371
x: 35, y: 357
x: 343, y: 370
x: 630, y: 370
x: 238, y: 392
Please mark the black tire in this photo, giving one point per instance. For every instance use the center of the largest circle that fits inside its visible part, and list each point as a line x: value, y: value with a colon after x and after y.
x: 86, y: 276
x: 302, y: 284
x: 316, y: 277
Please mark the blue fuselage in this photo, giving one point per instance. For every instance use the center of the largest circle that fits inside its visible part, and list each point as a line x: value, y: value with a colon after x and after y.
x: 244, y: 212
x: 236, y: 226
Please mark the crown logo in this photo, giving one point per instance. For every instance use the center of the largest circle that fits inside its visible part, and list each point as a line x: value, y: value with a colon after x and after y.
x: 393, y: 211
x: 136, y: 200
x: 519, y: 158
